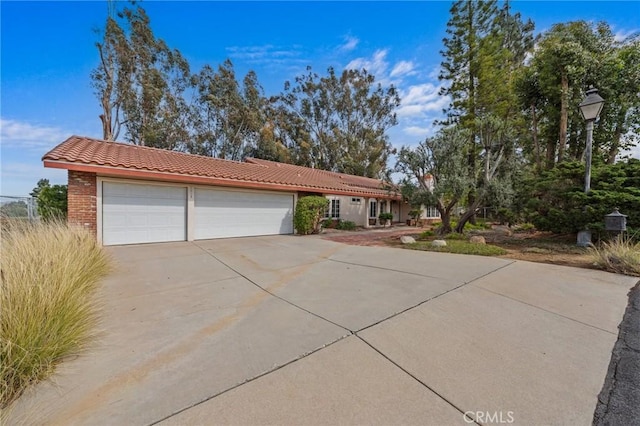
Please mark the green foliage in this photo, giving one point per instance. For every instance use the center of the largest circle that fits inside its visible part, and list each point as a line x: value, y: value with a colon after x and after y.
x: 329, y: 223
x: 336, y: 122
x: 415, y: 214
x: 426, y: 234
x: 437, y: 172
x: 385, y: 217
x: 346, y: 225
x: 524, y: 227
x: 49, y: 275
x: 620, y: 255
x: 460, y: 247
x: 14, y: 209
x: 52, y: 200
x: 140, y: 83
x: 455, y: 236
x: 557, y: 201
x: 308, y: 215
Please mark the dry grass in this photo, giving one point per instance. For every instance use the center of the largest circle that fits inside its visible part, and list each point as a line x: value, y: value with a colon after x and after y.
x: 620, y: 255
x: 48, y: 311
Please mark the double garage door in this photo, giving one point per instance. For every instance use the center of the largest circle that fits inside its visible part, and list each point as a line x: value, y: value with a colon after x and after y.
x: 137, y: 213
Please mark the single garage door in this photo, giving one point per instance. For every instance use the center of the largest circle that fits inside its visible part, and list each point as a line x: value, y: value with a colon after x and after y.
x: 224, y: 213
x: 134, y: 213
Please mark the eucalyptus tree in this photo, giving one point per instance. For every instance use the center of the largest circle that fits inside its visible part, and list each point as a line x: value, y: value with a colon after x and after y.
x: 141, y: 83
x: 336, y: 122
x: 227, y: 116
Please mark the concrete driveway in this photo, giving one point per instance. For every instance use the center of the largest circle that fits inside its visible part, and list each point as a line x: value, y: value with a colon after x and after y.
x: 300, y: 330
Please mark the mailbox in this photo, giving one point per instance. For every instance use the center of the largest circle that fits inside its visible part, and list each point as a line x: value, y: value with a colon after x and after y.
x: 615, y: 221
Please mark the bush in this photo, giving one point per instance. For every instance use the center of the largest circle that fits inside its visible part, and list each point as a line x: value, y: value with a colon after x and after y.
x: 346, y: 225
x: 49, y: 274
x: 309, y: 212
x: 556, y: 200
x: 455, y: 236
x: 620, y: 255
x: 460, y: 247
x: 524, y: 227
x: 426, y: 234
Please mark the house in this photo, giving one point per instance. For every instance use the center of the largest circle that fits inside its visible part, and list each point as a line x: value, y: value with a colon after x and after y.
x: 128, y: 194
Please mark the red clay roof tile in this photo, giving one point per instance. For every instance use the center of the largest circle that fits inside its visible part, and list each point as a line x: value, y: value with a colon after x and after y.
x: 116, y: 156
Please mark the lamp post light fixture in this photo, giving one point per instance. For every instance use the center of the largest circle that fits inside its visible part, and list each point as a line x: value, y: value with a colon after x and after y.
x: 590, y: 109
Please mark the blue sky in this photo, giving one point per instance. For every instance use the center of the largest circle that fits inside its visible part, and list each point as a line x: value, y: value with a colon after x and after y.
x: 48, y: 51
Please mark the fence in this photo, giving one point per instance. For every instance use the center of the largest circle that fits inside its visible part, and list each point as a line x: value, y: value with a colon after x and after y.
x: 18, y: 207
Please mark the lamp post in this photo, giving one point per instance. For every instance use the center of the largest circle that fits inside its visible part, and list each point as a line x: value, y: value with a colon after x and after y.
x: 590, y: 109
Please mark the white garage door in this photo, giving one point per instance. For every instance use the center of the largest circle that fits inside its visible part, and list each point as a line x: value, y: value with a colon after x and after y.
x: 133, y: 213
x: 224, y: 213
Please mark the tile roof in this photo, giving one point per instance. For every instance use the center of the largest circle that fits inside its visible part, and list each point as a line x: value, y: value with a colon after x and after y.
x: 115, y: 157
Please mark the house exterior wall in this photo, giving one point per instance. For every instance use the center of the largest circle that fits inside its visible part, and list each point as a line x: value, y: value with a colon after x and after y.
x: 81, y: 200
x: 350, y: 209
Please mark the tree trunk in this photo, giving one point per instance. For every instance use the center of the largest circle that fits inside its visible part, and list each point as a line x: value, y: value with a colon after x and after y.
x: 536, y: 143
x: 562, y: 136
x: 615, y: 146
x: 471, y: 212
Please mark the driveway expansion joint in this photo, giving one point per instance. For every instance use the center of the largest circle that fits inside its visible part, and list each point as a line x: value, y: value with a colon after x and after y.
x: 408, y: 373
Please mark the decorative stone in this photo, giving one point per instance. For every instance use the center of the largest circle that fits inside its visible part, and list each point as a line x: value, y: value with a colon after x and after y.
x: 477, y: 239
x: 406, y: 239
x: 438, y: 243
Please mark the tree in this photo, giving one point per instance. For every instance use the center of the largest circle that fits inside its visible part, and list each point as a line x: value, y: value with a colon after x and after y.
x: 437, y: 172
x: 570, y: 57
x: 483, y: 48
x: 140, y: 83
x: 14, y: 209
x: 52, y: 200
x: 493, y: 181
x: 228, y: 118
x: 336, y: 123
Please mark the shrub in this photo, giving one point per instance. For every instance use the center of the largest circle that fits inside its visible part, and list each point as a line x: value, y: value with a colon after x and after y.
x: 620, y: 255
x: 556, y: 200
x: 309, y: 212
x: 455, y: 236
x: 426, y: 234
x: 460, y: 247
x: 525, y: 227
x: 49, y: 274
x: 346, y: 225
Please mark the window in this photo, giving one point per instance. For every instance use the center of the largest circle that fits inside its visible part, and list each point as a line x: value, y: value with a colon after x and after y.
x: 355, y: 201
x: 373, y: 209
x: 333, y: 210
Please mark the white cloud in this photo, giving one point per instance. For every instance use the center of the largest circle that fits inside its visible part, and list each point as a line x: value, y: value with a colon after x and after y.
x: 420, y: 99
x: 267, y: 54
x: 21, y: 134
x: 350, y: 43
x: 402, y: 68
x: 622, y: 35
x: 377, y: 65
x: 418, y: 131
x: 434, y: 74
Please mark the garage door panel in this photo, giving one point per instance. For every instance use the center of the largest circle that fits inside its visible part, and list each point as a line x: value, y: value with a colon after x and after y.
x: 138, y: 213
x: 223, y: 213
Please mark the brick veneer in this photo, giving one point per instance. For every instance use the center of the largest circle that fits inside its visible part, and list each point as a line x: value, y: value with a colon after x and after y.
x: 81, y: 200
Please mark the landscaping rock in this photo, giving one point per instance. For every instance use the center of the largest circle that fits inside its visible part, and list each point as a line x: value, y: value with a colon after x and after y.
x: 477, y: 239
x: 438, y: 243
x: 406, y: 239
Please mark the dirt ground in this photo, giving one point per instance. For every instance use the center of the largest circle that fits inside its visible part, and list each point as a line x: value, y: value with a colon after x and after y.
x: 541, y: 247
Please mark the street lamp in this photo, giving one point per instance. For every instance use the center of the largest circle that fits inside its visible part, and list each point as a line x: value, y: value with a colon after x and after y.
x: 590, y: 109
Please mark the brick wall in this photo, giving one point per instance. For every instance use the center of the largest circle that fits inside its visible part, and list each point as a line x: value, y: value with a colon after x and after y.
x: 81, y: 200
